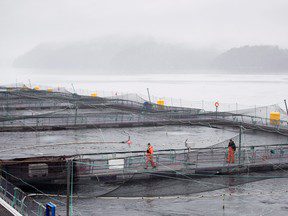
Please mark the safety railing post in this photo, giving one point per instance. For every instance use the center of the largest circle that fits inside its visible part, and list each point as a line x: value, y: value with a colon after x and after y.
x: 240, y: 144
x: 197, y: 157
x: 68, y: 188
x: 14, y: 201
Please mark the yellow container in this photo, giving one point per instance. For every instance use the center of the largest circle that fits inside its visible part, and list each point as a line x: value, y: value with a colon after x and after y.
x: 275, y: 118
x: 161, y: 102
x: 94, y: 95
x: 50, y: 90
x: 37, y: 88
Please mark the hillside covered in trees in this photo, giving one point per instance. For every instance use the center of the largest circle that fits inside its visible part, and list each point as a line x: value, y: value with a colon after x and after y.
x: 145, y: 55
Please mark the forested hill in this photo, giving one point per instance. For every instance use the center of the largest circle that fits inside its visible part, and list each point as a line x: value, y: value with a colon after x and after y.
x: 139, y: 55
x: 116, y: 55
x: 254, y: 57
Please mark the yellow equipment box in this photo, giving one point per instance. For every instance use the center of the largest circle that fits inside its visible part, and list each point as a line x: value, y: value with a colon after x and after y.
x: 160, y: 102
x: 275, y: 118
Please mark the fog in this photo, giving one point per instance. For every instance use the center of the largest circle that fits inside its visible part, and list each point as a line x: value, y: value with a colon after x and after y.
x: 209, y: 24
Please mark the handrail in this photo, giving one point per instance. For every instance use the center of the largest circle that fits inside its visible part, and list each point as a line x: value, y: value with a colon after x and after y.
x: 19, y: 200
x: 176, y: 150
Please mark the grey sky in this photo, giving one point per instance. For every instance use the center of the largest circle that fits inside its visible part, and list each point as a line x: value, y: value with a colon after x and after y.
x: 201, y: 23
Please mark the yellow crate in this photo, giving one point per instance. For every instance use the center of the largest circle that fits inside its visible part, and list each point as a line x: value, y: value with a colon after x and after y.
x: 275, y: 118
x: 161, y: 102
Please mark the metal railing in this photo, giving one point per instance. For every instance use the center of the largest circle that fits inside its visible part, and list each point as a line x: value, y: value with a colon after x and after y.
x: 178, y: 159
x: 19, y: 200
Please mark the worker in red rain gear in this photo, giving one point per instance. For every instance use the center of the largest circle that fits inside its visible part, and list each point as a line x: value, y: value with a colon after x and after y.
x: 231, y: 150
x: 149, y: 156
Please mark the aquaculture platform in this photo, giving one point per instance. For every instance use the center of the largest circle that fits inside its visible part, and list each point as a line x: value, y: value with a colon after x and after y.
x: 24, y: 109
x: 122, y: 166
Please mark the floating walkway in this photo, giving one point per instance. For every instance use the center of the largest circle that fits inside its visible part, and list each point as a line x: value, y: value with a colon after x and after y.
x: 122, y: 166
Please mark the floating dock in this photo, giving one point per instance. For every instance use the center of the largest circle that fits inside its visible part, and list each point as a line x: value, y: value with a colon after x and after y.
x: 121, y: 166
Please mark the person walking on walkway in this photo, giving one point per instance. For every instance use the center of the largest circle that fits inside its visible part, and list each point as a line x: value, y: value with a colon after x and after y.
x: 149, y: 156
x: 231, y: 150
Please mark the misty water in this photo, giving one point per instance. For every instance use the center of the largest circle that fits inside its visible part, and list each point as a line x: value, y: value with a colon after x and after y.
x: 260, y: 196
x: 249, y: 89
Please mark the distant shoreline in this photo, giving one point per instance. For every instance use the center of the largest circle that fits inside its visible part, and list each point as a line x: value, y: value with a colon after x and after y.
x: 139, y: 72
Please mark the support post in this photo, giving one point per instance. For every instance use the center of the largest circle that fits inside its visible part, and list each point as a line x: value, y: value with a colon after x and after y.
x: 76, y: 113
x: 240, y: 144
x: 266, y: 115
x: 149, y: 95
x: 68, y: 188
x: 286, y: 106
x: 71, y: 187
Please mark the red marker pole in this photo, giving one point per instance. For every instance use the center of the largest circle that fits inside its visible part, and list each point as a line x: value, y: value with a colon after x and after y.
x: 216, y: 106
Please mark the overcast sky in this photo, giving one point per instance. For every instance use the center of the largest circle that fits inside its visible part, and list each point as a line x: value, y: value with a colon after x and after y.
x: 218, y: 24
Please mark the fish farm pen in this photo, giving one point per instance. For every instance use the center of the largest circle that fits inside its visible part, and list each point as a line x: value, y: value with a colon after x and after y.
x: 23, y: 109
x: 32, y: 110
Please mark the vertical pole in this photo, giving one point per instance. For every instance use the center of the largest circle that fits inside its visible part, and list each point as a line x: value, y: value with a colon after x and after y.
x: 240, y: 142
x: 76, y: 110
x: 266, y: 115
x: 286, y: 106
x: 73, y: 88
x: 148, y: 95
x: 236, y: 108
x: 202, y: 104
x: 71, y: 188
x: 7, y: 104
x: 68, y: 189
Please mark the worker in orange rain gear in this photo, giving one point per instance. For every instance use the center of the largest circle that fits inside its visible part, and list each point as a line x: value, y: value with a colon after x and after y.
x: 231, y: 150
x: 149, y: 156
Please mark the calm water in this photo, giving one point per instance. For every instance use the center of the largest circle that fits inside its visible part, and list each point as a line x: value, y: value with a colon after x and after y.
x: 261, y: 197
x: 25, y: 144
x: 243, y: 89
x: 250, y: 195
